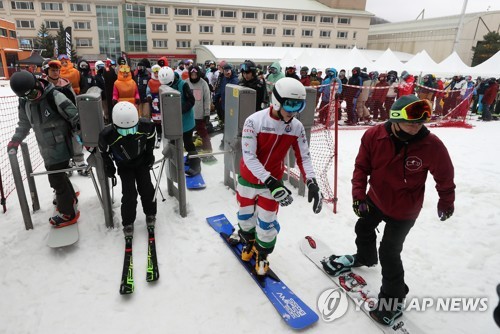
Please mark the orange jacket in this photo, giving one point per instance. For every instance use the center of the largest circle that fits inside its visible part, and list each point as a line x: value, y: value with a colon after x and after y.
x: 125, y: 89
x: 72, y: 74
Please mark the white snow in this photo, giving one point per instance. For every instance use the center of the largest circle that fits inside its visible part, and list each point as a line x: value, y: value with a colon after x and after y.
x: 203, y: 288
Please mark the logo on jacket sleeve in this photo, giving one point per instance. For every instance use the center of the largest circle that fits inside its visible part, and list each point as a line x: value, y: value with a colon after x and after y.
x: 46, y: 113
x: 413, y: 163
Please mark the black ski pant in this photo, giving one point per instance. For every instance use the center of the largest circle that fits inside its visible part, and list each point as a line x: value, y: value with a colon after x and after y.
x: 393, y: 283
x: 65, y: 194
x: 130, y: 177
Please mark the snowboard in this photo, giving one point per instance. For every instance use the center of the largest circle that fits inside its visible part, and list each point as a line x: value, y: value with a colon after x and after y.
x: 63, y: 236
x: 194, y: 182
x: 355, y: 287
x: 292, y: 309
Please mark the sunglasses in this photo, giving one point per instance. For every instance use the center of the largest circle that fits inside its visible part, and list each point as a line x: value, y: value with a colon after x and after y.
x: 125, y: 69
x: 293, y: 106
x: 417, y: 111
x: 126, y: 132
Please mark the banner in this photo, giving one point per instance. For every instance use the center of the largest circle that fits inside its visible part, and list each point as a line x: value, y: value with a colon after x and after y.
x: 56, y: 48
x: 67, y: 35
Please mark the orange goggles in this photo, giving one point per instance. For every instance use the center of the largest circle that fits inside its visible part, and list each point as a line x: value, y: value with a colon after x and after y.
x: 415, y: 112
x: 125, y: 69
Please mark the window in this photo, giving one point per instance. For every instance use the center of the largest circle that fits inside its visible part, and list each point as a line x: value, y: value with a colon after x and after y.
x: 270, y: 31
x: 268, y: 43
x: 308, y: 18
x: 306, y: 45
x: 354, y: 34
x: 287, y: 45
x: 206, y: 29
x: 1, y: 4
x: 206, y: 42
x: 288, y: 32
x: 84, y: 42
x: 206, y: 12
x: 227, y: 43
x: 53, y: 24
x: 182, y: 12
x: 248, y: 43
x: 26, y: 43
x: 271, y: 16
x: 326, y: 19
x: 79, y: 7
x: 289, y: 17
x: 183, y: 44
x: 3, y: 32
x: 228, y: 29
x: 248, y: 30
x: 12, y: 34
x: 158, y: 10
x: 340, y: 46
x: 22, y: 5
x: 344, y: 20
x: 307, y: 32
x: 342, y: 34
x: 183, y: 28
x: 227, y: 13
x: 324, y: 46
x: 249, y: 15
x: 51, y: 6
x: 160, y: 43
x: 81, y: 25
x: 159, y: 27
x: 26, y: 24
x: 325, y: 33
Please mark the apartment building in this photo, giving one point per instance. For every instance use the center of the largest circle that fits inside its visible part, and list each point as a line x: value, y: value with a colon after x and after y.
x: 173, y: 29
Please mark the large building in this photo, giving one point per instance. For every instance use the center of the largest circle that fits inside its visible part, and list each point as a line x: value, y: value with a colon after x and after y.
x: 158, y: 28
x: 436, y: 35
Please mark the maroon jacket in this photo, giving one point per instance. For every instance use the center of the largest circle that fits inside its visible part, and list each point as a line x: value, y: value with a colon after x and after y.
x: 397, y: 179
x: 490, y: 94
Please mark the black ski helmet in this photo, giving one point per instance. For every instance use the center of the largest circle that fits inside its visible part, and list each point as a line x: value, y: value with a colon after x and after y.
x: 22, y: 82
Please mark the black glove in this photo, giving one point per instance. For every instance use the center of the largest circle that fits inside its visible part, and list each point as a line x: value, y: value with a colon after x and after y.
x: 445, y: 213
x: 361, y: 208
x: 13, y: 145
x: 280, y: 193
x: 109, y: 170
x: 113, y: 102
x: 314, y: 192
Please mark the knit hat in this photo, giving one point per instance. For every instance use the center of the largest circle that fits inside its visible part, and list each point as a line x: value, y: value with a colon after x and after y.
x: 420, y: 112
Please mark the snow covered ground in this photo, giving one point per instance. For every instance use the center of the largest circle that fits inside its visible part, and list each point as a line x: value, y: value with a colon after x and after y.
x: 203, y: 289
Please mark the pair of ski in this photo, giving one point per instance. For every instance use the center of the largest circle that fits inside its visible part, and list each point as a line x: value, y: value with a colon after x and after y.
x: 292, y: 309
x: 152, y: 272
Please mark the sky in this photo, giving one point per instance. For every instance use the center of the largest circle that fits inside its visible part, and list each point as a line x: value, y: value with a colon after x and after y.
x: 203, y: 288
x: 397, y: 10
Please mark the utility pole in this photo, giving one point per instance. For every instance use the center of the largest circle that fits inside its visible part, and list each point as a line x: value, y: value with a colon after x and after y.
x: 459, y: 29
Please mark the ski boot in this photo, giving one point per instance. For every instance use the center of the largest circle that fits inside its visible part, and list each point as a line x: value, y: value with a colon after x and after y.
x: 84, y: 171
x: 261, y: 261
x: 62, y: 220
x: 158, y: 142
x: 150, y: 220
x: 336, y: 265
x: 128, y: 231
x: 194, y: 165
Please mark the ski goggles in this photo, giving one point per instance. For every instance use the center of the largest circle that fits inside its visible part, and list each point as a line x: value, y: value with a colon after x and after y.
x: 415, y: 112
x: 128, y: 131
x: 293, y: 106
x: 33, y: 94
x: 245, y: 68
x: 273, y: 70
x: 63, y: 56
x: 125, y: 69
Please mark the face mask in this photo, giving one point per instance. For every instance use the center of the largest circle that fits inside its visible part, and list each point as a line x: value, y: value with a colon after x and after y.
x: 401, y: 134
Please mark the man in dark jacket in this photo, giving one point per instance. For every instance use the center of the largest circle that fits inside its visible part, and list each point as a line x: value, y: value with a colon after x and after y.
x: 395, y: 158
x: 250, y: 79
x: 141, y: 79
x: 87, y: 80
x: 54, y: 119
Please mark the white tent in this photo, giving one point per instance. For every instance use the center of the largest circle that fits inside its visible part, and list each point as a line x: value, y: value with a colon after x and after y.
x: 488, y: 68
x: 451, y: 66
x: 354, y: 59
x: 421, y: 63
x: 386, y: 62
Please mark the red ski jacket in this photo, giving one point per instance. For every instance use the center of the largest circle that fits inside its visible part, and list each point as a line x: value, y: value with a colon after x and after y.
x: 397, y: 179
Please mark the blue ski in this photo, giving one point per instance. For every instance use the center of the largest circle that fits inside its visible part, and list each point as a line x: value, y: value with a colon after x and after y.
x: 292, y: 309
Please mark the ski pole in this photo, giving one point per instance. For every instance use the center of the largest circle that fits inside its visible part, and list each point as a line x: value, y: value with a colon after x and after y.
x: 159, y: 179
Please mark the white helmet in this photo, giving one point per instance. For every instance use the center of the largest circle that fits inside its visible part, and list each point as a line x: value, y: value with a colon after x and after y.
x: 98, y: 64
x: 125, y: 115
x: 166, y: 76
x: 155, y: 68
x: 290, y: 94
